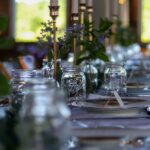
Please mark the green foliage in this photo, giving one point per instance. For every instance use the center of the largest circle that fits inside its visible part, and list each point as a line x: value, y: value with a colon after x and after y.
x: 5, y: 42
x: 94, y: 49
x: 91, y: 50
x: 45, y: 39
x: 3, y: 23
x: 125, y: 36
x: 4, y: 86
x: 104, y: 25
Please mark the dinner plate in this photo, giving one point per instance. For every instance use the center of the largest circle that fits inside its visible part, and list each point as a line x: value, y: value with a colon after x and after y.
x: 131, y: 107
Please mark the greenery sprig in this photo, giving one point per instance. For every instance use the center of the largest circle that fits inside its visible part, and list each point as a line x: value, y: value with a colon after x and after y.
x: 92, y: 50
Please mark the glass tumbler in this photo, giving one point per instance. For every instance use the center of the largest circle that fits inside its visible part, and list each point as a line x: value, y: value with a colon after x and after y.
x: 115, y: 78
x: 73, y: 81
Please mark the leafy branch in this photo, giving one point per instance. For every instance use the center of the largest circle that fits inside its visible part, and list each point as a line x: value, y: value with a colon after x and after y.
x: 96, y: 48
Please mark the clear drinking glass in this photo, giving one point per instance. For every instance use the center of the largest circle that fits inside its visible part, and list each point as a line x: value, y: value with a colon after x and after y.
x: 43, y: 117
x: 115, y: 78
x: 73, y: 81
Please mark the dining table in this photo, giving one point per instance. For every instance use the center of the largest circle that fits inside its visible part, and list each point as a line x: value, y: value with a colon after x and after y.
x: 99, y: 122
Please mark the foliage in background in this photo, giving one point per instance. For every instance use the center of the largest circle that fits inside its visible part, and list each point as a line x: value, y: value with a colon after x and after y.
x: 4, y: 85
x: 5, y: 42
x: 96, y: 48
x: 125, y: 36
x: 30, y: 14
x: 91, y: 50
x: 45, y: 40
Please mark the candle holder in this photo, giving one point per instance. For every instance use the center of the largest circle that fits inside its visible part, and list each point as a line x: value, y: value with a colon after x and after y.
x: 54, y: 14
x: 114, y: 26
x: 82, y: 8
x: 75, y: 19
x: 90, y: 19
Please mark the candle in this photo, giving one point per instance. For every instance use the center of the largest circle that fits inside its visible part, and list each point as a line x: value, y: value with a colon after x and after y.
x: 90, y: 3
x: 53, y: 2
x: 82, y: 2
x: 75, y: 5
x: 115, y: 7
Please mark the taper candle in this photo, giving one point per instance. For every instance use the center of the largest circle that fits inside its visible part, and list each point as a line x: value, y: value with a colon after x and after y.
x: 53, y: 2
x: 75, y: 6
x: 82, y: 1
x: 90, y: 3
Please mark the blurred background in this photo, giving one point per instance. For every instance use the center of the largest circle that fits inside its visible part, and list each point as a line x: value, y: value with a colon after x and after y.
x: 20, y: 25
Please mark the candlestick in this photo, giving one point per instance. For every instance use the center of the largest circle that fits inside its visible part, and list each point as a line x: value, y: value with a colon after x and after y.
x: 75, y: 19
x: 90, y: 19
x: 114, y: 26
x: 53, y: 2
x: 82, y: 13
x: 90, y: 3
x: 82, y: 2
x: 75, y: 6
x: 54, y: 15
x: 116, y: 7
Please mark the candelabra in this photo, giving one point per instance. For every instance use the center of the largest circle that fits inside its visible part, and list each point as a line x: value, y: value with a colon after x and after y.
x: 54, y: 15
x: 75, y: 19
x: 90, y: 19
x: 82, y: 13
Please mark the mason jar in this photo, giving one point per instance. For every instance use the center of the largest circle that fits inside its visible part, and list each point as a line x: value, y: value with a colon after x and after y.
x: 115, y: 78
x: 73, y: 81
x: 43, y: 118
x: 91, y: 74
x: 18, y: 80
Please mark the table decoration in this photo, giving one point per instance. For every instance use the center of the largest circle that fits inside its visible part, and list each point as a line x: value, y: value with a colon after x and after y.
x: 74, y: 83
x: 82, y: 39
x: 75, y: 19
x: 90, y: 18
x: 82, y: 11
x: 91, y: 74
x: 54, y: 14
x: 115, y: 78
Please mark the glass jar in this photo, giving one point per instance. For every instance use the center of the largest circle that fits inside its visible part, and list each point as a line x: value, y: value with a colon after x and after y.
x: 44, y: 117
x: 73, y: 81
x: 91, y: 75
x: 18, y: 80
x: 115, y: 78
x: 47, y: 69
